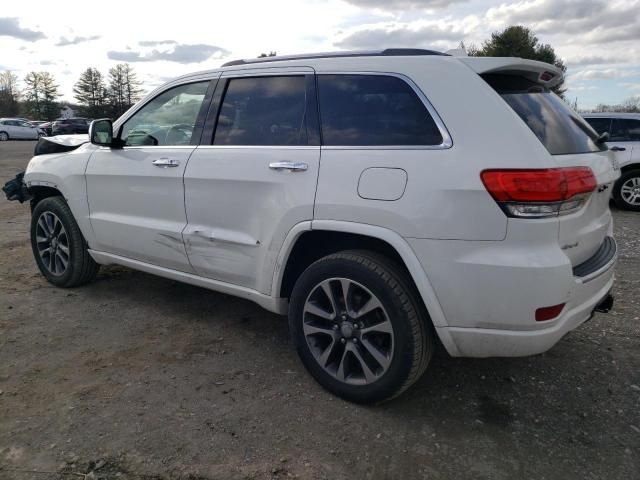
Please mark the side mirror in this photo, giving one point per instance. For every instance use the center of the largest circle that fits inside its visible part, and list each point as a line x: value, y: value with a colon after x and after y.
x: 101, y: 132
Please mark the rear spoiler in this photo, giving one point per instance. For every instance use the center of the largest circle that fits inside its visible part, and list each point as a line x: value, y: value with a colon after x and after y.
x: 543, y: 73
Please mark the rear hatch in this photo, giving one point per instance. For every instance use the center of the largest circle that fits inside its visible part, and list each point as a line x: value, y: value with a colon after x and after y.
x: 569, y: 139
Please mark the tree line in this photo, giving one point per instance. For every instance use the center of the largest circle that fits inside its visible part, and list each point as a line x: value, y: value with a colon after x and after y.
x: 97, y: 95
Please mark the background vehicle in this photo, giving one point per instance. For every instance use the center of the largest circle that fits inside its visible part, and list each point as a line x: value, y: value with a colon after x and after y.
x: 18, y: 129
x: 420, y: 221
x: 67, y: 126
x: 624, y: 139
x: 46, y: 127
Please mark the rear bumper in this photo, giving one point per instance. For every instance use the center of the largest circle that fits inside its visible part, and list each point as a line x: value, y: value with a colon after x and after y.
x: 485, y: 342
x: 489, y: 293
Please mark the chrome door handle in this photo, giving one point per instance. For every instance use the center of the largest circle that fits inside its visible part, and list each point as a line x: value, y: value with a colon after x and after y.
x: 165, y: 162
x: 292, y: 166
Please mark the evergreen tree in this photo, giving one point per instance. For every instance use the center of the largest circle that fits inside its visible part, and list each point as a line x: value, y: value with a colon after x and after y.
x: 519, y: 41
x: 50, y: 95
x: 124, y: 88
x: 90, y: 91
x: 32, y: 94
x: 133, y: 88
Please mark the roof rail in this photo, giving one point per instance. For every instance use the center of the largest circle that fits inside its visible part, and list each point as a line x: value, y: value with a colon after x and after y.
x: 388, y: 52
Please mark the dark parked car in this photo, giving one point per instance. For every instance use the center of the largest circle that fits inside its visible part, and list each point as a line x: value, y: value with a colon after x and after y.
x: 66, y: 126
x: 47, y: 128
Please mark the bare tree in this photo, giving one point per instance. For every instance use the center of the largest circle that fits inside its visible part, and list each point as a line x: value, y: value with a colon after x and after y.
x: 9, y: 94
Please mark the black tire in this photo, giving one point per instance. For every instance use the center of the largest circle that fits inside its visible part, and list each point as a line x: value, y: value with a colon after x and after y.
x: 80, y: 268
x: 413, y: 336
x: 618, y: 196
x: 4, y: 136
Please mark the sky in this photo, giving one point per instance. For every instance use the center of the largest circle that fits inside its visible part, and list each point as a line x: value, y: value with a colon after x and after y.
x: 599, y: 40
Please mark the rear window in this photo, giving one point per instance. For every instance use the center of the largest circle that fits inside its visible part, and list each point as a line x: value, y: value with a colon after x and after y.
x: 361, y: 110
x: 561, y: 130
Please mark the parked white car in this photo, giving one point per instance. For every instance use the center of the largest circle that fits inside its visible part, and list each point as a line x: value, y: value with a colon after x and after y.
x: 623, y: 130
x: 18, y: 129
x: 382, y: 200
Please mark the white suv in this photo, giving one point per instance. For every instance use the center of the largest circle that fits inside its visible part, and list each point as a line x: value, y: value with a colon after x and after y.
x: 382, y: 200
x: 623, y: 137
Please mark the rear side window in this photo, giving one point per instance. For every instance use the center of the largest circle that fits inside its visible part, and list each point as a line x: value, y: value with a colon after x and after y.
x: 361, y: 110
x: 599, y: 124
x: 625, y: 130
x: 561, y: 130
x: 263, y: 111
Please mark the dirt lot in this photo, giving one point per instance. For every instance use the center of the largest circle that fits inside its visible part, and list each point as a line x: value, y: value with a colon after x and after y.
x: 139, y: 377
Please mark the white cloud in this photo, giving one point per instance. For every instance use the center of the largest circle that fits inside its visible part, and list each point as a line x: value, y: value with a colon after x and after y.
x: 603, y: 73
x: 596, y: 38
x: 10, y: 27
x: 64, y: 41
x: 398, y: 5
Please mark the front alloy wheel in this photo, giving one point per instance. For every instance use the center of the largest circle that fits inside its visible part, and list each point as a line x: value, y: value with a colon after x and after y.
x: 359, y: 326
x: 626, y: 191
x: 52, y: 243
x: 60, y: 250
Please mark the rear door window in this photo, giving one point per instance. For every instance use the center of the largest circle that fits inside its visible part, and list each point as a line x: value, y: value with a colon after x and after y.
x: 361, y: 110
x: 263, y: 111
x: 561, y: 130
x: 625, y: 130
x: 600, y: 124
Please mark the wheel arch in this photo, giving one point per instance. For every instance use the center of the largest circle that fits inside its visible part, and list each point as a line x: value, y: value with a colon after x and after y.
x: 631, y: 166
x: 40, y: 192
x: 304, y: 237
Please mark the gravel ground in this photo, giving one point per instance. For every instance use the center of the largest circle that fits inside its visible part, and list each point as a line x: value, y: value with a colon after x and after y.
x: 136, y: 376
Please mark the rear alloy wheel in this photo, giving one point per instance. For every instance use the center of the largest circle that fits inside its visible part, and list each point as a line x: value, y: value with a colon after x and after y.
x: 4, y: 136
x: 356, y: 345
x: 626, y: 191
x: 358, y: 326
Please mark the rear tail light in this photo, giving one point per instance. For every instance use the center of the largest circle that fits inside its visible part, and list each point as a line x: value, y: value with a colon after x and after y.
x: 548, y: 313
x: 539, y: 193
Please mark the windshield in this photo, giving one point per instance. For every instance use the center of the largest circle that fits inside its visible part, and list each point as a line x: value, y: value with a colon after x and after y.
x: 561, y: 130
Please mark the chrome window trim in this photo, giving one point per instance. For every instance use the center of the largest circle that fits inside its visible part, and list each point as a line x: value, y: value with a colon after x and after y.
x: 261, y: 147
x: 279, y: 71
x: 447, y: 141
x: 160, y: 147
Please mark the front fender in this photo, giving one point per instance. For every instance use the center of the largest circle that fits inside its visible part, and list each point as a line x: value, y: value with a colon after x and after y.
x: 65, y: 172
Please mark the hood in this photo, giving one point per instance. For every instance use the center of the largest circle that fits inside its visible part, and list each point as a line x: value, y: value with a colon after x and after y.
x: 59, y: 143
